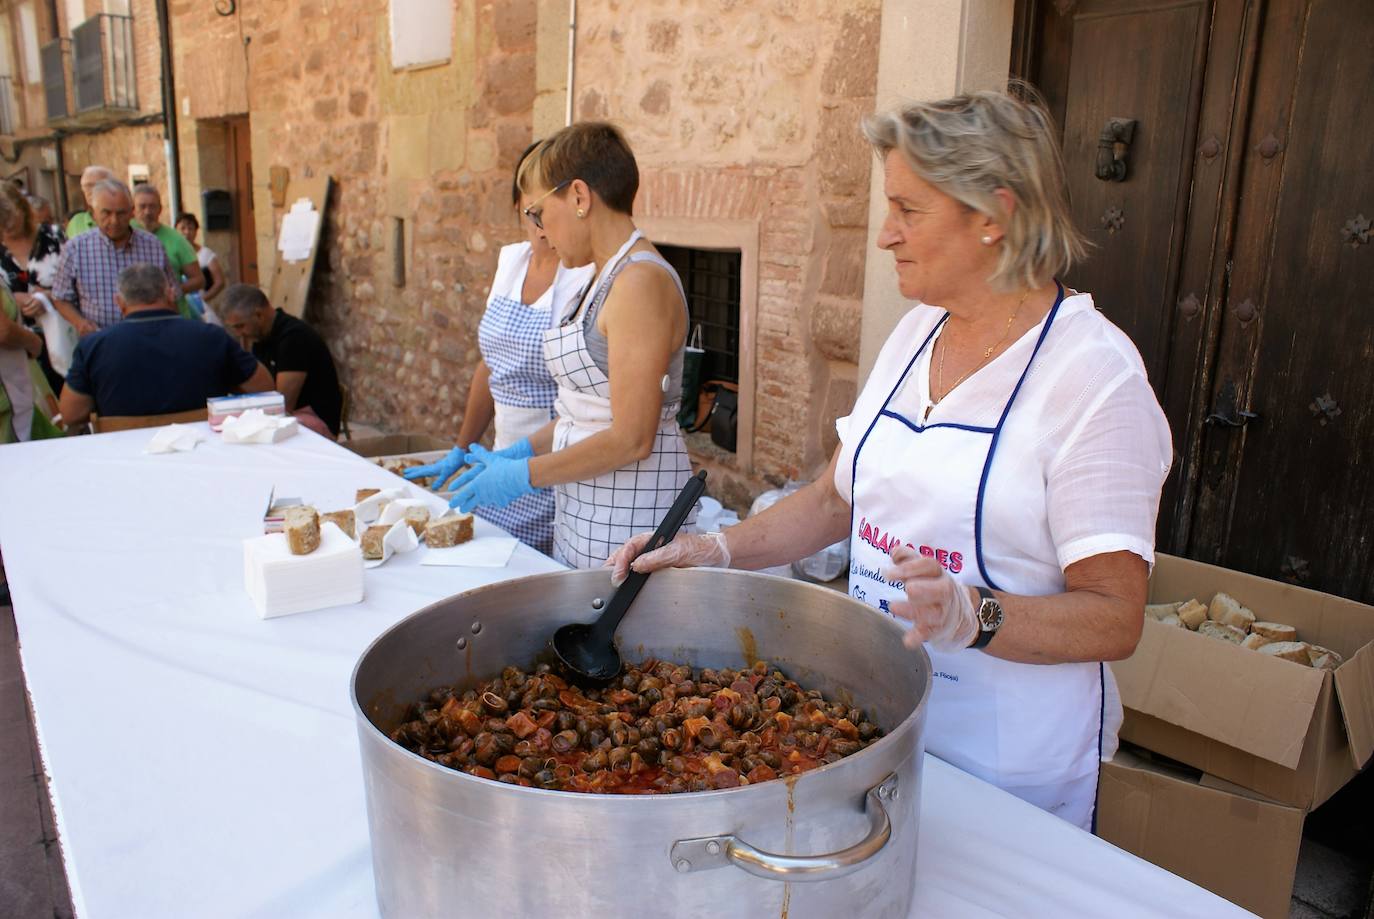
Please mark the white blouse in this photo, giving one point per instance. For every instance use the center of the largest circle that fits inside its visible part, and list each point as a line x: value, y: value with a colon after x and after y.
x: 1084, y: 452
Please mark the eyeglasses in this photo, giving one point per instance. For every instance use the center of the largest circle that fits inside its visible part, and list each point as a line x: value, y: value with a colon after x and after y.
x: 537, y: 217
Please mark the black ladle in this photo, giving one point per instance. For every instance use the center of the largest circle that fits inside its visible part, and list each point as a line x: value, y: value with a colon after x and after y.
x: 588, y: 649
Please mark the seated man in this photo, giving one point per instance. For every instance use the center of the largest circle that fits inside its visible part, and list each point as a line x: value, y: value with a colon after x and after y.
x: 153, y: 361
x: 298, y: 358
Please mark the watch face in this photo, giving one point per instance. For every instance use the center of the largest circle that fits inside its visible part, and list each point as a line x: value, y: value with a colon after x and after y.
x: 990, y: 615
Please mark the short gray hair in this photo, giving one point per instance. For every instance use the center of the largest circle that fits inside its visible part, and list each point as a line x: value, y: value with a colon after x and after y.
x: 143, y: 285
x: 244, y: 298
x: 972, y: 144
x: 113, y: 186
x: 147, y: 188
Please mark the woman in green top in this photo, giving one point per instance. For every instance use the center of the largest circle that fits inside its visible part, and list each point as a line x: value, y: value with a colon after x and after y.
x: 26, y: 401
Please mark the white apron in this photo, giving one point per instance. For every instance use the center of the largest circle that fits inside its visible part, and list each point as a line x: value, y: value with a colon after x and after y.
x: 1031, y: 729
x: 593, y: 518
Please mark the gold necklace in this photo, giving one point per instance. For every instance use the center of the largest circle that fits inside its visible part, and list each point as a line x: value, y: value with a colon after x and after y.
x: 987, y: 356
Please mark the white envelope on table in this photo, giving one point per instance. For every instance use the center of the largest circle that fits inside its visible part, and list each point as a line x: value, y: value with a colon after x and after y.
x: 257, y: 427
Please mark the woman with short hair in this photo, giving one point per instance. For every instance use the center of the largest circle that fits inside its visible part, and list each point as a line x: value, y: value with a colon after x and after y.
x: 614, y: 455
x: 511, y: 387
x: 999, y: 476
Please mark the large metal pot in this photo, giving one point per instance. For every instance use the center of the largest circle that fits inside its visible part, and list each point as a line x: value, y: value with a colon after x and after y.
x: 839, y: 841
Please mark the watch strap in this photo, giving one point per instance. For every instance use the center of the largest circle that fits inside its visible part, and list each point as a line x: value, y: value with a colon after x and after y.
x: 984, y: 636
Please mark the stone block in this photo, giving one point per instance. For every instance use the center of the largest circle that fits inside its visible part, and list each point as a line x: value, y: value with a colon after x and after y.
x: 840, y: 392
x: 843, y: 275
x: 835, y: 326
x: 852, y: 70
x: 512, y: 137
x: 843, y: 154
x: 447, y: 132
x: 482, y: 155
x: 658, y: 98
x: 514, y: 23
x: 664, y: 36
x: 408, y: 146
x: 510, y: 84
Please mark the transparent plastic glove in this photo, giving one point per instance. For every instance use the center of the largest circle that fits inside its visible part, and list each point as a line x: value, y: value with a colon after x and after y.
x: 496, y: 483
x: 688, y: 550
x: 521, y: 449
x: 441, y: 470
x: 940, y: 608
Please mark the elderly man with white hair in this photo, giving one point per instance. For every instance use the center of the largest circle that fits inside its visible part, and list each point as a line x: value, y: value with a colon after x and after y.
x: 84, y: 289
x: 82, y: 221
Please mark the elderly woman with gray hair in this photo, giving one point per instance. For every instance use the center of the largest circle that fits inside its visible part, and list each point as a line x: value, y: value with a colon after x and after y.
x: 999, y: 476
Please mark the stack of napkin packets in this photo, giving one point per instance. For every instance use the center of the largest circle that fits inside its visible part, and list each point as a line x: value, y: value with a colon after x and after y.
x: 282, y: 580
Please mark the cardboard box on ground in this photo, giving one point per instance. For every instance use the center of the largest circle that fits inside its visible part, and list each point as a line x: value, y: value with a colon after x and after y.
x: 1292, y: 733
x: 1219, y: 836
x: 1271, y: 739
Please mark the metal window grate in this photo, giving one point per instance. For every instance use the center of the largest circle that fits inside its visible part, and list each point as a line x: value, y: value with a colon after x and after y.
x: 53, y: 59
x: 711, y: 278
x: 103, y: 61
x: 7, y: 122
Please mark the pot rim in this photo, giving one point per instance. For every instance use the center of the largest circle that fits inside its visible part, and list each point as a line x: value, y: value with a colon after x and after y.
x: 886, y: 741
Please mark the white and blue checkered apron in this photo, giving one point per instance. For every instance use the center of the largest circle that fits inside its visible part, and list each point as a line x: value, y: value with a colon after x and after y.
x: 594, y: 517
x: 511, y: 337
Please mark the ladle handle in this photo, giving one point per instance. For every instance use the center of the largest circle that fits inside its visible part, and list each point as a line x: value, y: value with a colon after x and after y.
x: 667, y: 529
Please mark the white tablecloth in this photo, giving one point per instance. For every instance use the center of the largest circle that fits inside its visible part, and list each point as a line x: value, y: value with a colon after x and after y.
x: 204, y: 762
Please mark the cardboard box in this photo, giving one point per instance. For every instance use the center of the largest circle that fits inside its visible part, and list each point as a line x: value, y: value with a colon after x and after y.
x: 389, y: 445
x: 1237, y: 845
x: 1288, y: 732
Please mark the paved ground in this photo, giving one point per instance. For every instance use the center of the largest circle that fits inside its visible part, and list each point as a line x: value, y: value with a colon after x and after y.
x: 1335, y: 868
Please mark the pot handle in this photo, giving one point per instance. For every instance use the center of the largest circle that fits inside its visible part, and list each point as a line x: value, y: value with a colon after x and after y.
x: 709, y: 852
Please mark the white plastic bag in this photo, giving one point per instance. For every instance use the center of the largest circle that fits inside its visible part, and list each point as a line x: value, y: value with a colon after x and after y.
x: 825, y: 565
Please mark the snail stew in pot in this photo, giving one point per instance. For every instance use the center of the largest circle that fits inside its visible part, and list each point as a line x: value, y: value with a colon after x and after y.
x: 659, y: 728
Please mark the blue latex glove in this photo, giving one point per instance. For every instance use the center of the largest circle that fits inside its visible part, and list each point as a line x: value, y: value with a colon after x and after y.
x: 494, y: 483
x: 440, y: 470
x: 521, y: 449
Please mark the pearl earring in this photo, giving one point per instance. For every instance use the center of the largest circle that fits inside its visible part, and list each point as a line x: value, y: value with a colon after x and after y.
x: 581, y: 213
x: 987, y: 240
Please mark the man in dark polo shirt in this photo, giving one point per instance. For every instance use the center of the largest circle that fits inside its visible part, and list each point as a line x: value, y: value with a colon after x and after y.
x: 153, y: 361
x: 302, y: 367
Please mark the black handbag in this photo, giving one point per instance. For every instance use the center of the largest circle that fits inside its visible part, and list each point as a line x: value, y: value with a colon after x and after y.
x: 724, y: 417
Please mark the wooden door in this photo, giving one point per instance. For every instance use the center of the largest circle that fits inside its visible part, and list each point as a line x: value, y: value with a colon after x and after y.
x: 240, y: 154
x: 1291, y: 494
x: 1228, y: 256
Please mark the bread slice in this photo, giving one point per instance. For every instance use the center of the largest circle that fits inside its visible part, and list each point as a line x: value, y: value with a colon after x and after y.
x: 1275, y: 631
x: 1255, y: 641
x: 417, y: 518
x: 1323, y: 658
x: 364, y: 493
x: 1295, y: 651
x: 301, y: 524
x: 372, y: 540
x: 452, y: 530
x: 1221, y: 630
x: 1192, y: 614
x: 345, y: 520
x: 1225, y: 608
x: 1161, y: 611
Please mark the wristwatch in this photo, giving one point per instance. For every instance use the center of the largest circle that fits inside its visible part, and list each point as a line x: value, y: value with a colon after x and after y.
x: 990, y: 618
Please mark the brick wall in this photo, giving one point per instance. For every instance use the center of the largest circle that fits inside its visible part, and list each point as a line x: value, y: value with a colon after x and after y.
x: 434, y: 147
x: 750, y: 111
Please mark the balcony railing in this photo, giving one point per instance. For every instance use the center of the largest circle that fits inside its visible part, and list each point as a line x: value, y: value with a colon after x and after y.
x: 103, y: 64
x: 7, y: 119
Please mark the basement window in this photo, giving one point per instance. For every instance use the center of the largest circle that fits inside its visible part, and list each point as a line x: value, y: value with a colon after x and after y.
x: 711, y: 278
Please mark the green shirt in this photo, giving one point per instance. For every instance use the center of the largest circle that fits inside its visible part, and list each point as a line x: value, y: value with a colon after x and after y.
x: 81, y: 222
x: 180, y: 254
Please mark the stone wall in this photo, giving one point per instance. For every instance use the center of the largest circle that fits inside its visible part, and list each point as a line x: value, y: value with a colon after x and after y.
x: 433, y: 147
x: 750, y: 111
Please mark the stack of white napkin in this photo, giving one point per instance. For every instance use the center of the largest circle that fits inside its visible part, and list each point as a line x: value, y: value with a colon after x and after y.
x: 175, y: 438
x: 257, y: 427
x: 281, y: 583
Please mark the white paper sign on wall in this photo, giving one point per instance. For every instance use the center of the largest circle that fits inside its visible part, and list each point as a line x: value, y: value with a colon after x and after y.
x: 298, y: 228
x: 421, y: 33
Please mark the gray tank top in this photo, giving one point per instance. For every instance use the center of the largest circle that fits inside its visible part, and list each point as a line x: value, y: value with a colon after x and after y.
x: 599, y: 348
